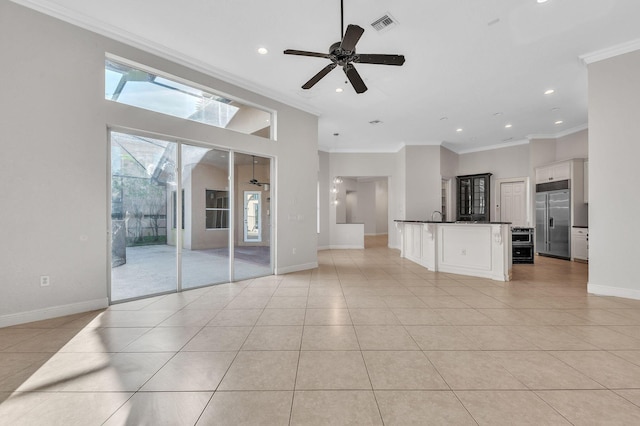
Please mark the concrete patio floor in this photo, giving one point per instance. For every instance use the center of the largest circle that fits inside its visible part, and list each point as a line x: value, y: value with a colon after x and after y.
x: 152, y: 269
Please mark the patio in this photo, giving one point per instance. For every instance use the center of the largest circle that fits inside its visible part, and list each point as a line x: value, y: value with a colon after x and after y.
x: 152, y: 269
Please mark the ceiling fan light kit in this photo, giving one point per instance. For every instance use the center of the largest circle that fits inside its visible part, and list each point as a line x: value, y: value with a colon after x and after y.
x: 343, y: 53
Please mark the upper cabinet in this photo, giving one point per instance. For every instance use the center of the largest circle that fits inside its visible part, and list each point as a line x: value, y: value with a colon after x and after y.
x: 473, y: 195
x: 553, y: 172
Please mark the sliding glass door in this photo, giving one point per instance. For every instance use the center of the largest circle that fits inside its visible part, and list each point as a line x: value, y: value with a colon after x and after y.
x: 143, y: 250
x: 176, y: 211
x: 205, y: 242
x: 252, y: 239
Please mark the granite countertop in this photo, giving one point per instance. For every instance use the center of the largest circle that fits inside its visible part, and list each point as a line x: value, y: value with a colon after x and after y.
x: 461, y: 222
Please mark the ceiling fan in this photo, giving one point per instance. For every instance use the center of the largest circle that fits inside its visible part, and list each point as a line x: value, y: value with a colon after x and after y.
x: 253, y: 180
x: 343, y: 53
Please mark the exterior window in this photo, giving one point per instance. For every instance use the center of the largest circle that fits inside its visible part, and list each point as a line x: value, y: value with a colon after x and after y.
x: 139, y: 88
x: 217, y: 209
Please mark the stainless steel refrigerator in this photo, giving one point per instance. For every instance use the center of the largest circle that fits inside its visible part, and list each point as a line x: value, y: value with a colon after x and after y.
x: 553, y: 228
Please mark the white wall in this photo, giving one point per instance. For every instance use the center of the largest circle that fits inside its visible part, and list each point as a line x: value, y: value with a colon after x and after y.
x: 54, y: 163
x: 449, y: 163
x: 614, y: 150
x: 575, y: 145
x: 325, y: 198
x: 367, y: 206
x: 382, y: 207
x: 502, y: 163
x: 423, y: 181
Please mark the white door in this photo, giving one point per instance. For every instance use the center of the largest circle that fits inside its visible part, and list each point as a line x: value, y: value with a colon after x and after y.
x: 252, y: 217
x: 513, y: 203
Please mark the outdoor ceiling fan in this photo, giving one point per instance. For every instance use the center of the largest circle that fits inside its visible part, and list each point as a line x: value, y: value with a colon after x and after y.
x: 343, y: 53
x: 253, y: 180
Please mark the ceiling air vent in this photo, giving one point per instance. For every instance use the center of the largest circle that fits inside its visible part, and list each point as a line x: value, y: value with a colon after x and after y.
x: 384, y: 23
x: 374, y: 122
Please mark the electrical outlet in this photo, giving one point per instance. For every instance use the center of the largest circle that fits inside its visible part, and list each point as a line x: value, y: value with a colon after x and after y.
x: 44, y: 281
x: 463, y: 252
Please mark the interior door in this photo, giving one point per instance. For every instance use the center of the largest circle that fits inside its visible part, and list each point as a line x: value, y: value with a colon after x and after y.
x: 513, y: 203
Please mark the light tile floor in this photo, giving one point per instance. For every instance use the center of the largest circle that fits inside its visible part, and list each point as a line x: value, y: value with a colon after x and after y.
x: 367, y: 338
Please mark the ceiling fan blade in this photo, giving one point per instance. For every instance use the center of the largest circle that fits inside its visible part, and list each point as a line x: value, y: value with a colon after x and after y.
x: 364, y: 58
x: 351, y: 37
x: 316, y: 78
x: 305, y: 53
x: 354, y: 78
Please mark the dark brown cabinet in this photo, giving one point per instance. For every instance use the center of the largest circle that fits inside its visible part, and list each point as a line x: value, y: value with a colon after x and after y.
x: 473, y: 196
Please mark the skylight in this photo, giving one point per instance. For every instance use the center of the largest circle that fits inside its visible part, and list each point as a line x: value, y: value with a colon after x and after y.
x: 131, y: 86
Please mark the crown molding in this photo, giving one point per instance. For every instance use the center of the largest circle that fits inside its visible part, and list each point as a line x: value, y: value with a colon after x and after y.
x: 610, y: 52
x: 560, y: 134
x: 393, y: 149
x: 490, y: 147
x: 79, y: 20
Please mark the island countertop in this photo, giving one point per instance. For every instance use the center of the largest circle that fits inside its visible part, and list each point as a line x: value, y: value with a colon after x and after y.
x: 459, y: 222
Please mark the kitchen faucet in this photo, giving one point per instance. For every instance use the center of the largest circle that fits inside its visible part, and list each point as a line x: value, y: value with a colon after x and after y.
x: 434, y: 212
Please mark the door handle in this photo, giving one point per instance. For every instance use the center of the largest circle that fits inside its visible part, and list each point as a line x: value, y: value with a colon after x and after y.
x: 550, y: 222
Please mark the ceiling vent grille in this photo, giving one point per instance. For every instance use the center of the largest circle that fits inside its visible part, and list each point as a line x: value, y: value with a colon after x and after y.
x: 384, y: 23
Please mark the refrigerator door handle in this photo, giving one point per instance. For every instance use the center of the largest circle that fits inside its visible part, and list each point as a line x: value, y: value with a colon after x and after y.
x: 550, y: 222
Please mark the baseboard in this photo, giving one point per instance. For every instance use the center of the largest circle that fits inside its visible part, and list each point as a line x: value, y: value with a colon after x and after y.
x: 376, y: 235
x: 53, y: 312
x: 296, y: 268
x: 324, y: 248
x: 605, y: 290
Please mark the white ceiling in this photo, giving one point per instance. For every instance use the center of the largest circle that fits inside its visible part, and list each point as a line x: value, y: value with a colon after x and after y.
x: 482, y: 64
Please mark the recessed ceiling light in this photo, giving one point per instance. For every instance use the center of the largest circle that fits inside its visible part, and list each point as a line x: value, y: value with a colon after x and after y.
x: 263, y: 50
x: 549, y: 92
x: 559, y: 122
x: 508, y: 126
x: 458, y: 130
x: 339, y: 90
x: 542, y: 1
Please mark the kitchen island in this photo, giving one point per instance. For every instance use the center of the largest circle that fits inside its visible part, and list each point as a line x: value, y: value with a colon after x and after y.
x: 479, y: 249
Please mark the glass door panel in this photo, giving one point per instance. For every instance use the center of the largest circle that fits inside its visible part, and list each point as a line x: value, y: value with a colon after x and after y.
x: 252, y: 238
x: 143, y: 249
x: 205, y: 242
x: 252, y: 216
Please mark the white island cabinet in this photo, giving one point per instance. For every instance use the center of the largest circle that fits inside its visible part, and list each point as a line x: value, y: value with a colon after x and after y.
x: 475, y: 249
x: 580, y: 243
